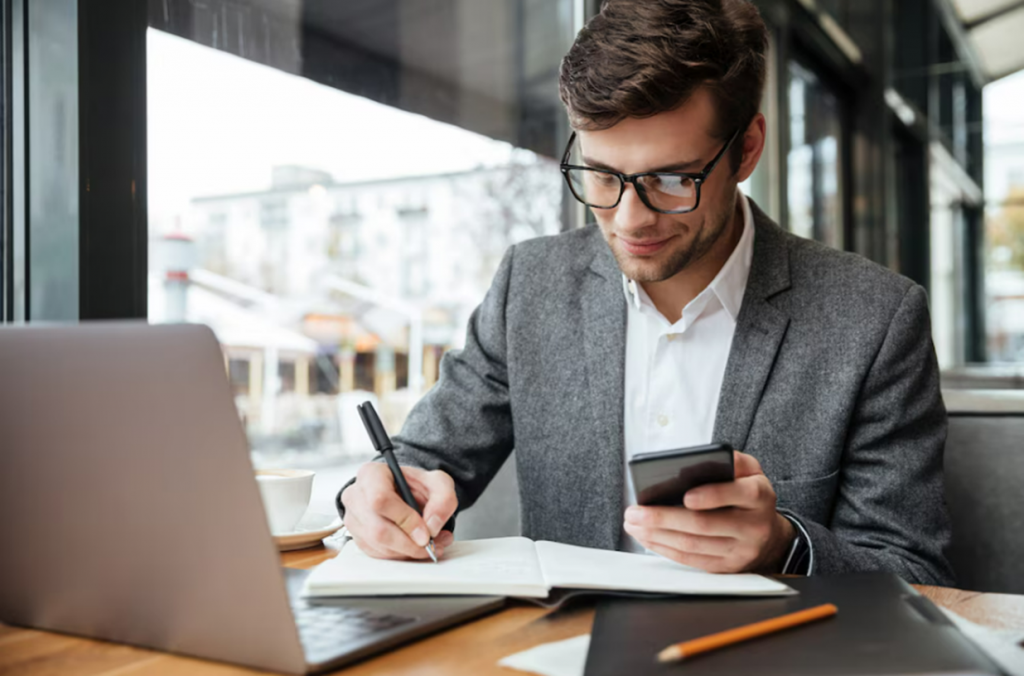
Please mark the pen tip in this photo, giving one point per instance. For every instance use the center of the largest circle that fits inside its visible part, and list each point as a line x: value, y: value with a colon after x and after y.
x: 430, y: 550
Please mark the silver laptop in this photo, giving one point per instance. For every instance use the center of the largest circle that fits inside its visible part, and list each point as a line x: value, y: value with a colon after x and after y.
x: 129, y: 511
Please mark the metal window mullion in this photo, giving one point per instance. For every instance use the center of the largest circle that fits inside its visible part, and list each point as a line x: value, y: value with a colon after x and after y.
x: 26, y: 224
x: 15, y: 202
x: 6, y: 227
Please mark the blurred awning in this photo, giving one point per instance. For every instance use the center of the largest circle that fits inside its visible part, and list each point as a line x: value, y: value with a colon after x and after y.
x: 237, y: 326
x: 995, y: 29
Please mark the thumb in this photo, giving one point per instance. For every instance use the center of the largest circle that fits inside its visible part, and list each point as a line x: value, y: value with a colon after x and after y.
x: 745, y: 465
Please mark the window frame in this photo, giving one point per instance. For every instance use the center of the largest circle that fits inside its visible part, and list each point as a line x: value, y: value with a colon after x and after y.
x: 844, y: 95
x: 6, y: 183
x: 113, y: 250
x: 113, y: 230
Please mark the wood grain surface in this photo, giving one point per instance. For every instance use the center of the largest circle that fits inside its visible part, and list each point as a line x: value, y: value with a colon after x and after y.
x: 471, y: 649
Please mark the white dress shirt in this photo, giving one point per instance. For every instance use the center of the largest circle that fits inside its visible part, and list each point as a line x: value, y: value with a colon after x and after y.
x: 674, y: 370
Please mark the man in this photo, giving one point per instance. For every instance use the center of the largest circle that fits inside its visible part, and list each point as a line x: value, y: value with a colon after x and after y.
x: 685, y: 316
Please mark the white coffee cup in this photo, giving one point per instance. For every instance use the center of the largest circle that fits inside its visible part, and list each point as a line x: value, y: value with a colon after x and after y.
x: 285, y: 495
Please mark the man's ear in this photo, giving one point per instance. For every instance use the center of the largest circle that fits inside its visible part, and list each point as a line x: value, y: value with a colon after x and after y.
x: 752, y: 141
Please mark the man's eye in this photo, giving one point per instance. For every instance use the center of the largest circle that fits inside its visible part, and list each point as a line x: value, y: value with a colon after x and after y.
x: 670, y: 184
x: 655, y: 182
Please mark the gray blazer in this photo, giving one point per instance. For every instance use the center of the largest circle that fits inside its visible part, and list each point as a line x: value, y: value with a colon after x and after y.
x: 831, y: 383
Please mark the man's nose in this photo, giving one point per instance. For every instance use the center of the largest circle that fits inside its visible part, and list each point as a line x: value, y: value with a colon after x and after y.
x: 632, y: 213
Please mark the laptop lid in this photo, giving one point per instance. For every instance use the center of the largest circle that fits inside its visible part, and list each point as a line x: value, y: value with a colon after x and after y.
x: 128, y: 511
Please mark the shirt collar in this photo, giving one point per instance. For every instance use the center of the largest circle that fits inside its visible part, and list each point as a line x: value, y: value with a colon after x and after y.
x: 730, y: 282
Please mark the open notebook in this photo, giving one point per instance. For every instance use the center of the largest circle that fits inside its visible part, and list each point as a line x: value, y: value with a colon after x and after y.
x: 518, y: 566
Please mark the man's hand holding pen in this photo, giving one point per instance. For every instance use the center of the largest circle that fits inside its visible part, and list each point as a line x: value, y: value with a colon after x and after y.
x: 384, y: 526
x: 393, y: 513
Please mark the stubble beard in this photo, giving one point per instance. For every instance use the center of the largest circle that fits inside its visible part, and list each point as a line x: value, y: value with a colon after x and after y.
x: 649, y: 271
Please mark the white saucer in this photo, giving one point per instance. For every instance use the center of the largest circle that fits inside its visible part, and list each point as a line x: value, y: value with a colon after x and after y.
x: 310, y: 530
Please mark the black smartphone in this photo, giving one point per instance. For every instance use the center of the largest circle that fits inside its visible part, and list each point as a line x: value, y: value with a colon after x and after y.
x: 662, y: 478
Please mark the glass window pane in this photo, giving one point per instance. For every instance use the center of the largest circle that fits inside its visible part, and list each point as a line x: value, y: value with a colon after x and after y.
x: 814, y: 163
x: 1005, y: 277
x: 1004, y: 220
x: 53, y: 200
x: 763, y: 184
x: 332, y: 189
x: 945, y: 290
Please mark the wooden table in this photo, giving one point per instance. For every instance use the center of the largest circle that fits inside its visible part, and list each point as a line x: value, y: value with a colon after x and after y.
x: 471, y: 649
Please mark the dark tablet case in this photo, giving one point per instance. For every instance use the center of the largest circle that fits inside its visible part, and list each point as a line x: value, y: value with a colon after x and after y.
x: 883, y: 627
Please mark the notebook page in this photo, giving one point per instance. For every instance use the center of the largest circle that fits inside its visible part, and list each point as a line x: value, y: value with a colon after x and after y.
x: 572, y: 567
x: 498, y: 567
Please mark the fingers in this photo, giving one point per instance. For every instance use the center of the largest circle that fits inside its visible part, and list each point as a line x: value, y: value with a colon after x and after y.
x: 745, y: 465
x: 377, y: 548
x: 367, y: 547
x: 740, y: 550
x: 383, y: 499
x: 727, y: 523
x: 751, y: 489
x: 711, y: 564
x: 381, y: 538
x: 380, y: 521
x: 441, y: 500
x: 749, y: 492
x: 683, y: 542
x: 436, y: 492
x: 444, y: 539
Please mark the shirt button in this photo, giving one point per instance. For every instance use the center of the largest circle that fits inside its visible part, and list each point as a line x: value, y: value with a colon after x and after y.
x: 663, y: 420
x: 671, y: 337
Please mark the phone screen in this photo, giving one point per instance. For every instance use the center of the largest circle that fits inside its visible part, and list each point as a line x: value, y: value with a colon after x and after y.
x: 663, y: 478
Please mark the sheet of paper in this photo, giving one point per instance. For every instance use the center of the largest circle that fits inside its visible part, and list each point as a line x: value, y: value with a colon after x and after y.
x: 574, y: 567
x: 1002, y: 645
x: 561, y: 658
x: 499, y: 567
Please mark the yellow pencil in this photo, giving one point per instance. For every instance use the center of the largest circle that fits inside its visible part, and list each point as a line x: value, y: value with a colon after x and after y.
x: 681, y: 651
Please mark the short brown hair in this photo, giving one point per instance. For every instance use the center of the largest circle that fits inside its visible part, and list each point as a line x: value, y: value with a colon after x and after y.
x: 638, y: 58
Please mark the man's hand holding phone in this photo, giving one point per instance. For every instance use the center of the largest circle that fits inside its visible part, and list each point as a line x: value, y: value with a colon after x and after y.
x: 384, y: 526
x: 722, y: 527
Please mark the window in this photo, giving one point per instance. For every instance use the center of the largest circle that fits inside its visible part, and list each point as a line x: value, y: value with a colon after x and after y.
x: 274, y: 214
x: 336, y: 183
x: 815, y: 177
x: 1004, y: 220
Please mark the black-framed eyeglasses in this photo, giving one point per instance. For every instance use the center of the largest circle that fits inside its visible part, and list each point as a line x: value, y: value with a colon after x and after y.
x: 667, y: 192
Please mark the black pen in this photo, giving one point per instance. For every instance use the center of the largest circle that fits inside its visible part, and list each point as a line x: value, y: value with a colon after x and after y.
x: 383, y: 444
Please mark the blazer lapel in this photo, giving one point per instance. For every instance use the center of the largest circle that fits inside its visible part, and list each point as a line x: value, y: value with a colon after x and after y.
x: 604, y: 344
x: 760, y: 328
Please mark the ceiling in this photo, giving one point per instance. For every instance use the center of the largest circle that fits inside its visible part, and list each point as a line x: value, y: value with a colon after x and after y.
x: 995, y: 29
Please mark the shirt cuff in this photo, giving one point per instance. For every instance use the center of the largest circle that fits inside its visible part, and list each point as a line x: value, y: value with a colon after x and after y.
x: 337, y: 499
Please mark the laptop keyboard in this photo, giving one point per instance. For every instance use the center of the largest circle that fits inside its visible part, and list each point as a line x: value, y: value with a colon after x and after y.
x: 324, y: 628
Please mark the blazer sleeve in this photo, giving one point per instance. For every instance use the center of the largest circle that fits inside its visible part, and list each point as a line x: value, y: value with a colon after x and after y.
x: 463, y: 425
x: 890, y: 511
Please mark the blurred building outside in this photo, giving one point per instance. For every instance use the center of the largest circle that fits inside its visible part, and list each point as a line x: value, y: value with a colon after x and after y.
x: 325, y: 294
